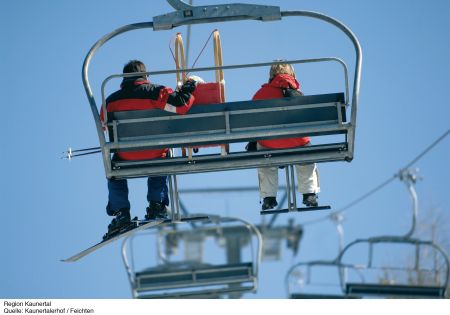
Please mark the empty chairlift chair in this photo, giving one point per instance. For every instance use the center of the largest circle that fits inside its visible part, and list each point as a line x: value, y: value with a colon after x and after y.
x: 421, y: 279
x: 190, y: 276
x: 424, y: 276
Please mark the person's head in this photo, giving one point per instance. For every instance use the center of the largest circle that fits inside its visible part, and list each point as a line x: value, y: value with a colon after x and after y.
x: 281, y: 68
x: 134, y: 66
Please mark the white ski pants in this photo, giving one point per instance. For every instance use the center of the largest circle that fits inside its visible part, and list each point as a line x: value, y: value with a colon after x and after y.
x: 307, y: 177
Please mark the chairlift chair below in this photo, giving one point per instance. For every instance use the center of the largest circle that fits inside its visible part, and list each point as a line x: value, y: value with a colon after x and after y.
x: 194, y: 278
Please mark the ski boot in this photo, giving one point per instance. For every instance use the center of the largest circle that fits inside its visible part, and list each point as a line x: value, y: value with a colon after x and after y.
x: 156, y: 210
x: 269, y: 203
x: 310, y: 200
x: 120, y: 223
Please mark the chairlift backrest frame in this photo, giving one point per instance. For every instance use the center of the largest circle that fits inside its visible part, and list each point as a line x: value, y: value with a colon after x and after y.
x: 188, y: 15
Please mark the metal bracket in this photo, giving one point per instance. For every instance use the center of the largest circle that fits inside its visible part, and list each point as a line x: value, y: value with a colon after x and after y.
x: 186, y: 14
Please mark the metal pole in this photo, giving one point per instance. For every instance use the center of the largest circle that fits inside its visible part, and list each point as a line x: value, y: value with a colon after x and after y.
x: 288, y: 188
x: 294, y: 197
x: 176, y: 200
x: 171, y: 197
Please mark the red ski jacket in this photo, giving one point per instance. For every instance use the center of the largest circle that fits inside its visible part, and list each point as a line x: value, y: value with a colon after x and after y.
x: 140, y: 94
x: 274, y: 89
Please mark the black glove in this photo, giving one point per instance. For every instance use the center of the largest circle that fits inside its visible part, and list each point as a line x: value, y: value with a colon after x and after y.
x: 251, y: 146
x: 189, y: 86
x: 289, y: 92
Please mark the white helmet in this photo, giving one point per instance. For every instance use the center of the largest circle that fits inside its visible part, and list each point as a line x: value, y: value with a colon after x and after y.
x: 196, y: 78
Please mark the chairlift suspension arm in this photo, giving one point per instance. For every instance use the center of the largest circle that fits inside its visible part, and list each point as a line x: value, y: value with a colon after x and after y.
x: 409, y: 178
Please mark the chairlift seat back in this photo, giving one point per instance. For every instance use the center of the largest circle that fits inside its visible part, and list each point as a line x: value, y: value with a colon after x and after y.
x: 209, y: 279
x: 226, y: 123
x: 257, y: 116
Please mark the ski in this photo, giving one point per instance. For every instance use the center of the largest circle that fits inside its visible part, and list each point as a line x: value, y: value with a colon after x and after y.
x: 137, y: 225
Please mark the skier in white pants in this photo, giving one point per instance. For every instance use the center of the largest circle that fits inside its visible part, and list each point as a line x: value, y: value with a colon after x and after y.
x: 282, y: 83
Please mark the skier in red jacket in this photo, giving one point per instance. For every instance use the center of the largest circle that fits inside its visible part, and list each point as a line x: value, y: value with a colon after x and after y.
x: 137, y: 93
x: 282, y: 83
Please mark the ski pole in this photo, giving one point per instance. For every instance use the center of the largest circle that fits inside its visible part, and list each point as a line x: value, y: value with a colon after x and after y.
x: 69, y: 154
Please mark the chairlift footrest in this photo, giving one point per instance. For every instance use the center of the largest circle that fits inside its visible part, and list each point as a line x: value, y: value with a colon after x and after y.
x: 395, y: 290
x: 182, y: 219
x: 304, y: 209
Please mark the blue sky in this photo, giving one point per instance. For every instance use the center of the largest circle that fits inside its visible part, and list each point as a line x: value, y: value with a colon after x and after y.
x: 53, y: 208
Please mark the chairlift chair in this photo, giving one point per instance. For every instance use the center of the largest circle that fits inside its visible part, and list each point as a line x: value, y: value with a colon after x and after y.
x: 194, y: 278
x: 229, y: 122
x: 364, y: 287
x: 402, y: 288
